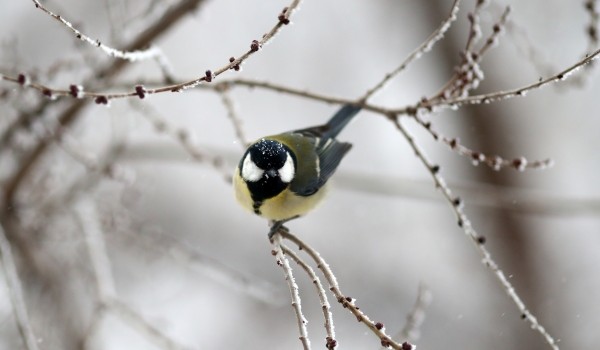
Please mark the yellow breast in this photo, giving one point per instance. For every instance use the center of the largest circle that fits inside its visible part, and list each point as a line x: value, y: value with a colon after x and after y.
x: 283, y: 206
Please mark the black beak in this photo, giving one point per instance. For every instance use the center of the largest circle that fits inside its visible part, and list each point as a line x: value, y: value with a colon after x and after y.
x: 271, y: 173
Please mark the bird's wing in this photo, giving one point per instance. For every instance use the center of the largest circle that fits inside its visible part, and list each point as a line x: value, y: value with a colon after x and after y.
x: 330, y: 155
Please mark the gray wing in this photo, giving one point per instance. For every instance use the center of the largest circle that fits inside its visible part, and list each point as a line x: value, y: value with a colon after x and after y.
x: 330, y: 155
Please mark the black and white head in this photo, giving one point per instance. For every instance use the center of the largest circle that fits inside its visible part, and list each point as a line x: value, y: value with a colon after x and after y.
x: 267, y: 168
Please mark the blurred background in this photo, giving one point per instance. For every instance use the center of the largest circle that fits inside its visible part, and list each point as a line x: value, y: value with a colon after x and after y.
x: 126, y: 236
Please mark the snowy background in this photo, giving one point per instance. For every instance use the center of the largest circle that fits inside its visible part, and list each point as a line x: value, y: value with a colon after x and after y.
x: 173, y: 228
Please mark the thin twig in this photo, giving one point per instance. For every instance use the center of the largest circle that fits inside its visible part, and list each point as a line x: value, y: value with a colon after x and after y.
x: 478, y: 240
x: 87, y: 215
x: 330, y: 341
x: 16, y: 293
x: 72, y: 113
x: 468, y: 73
x: 493, y: 161
x: 137, y: 55
x: 141, y: 91
x: 425, y: 47
x: 233, y: 117
x: 347, y: 302
x: 499, y: 95
x: 474, y: 27
x: 283, y: 262
x: 105, y: 284
x: 184, y: 137
x: 136, y: 320
x: 416, y: 316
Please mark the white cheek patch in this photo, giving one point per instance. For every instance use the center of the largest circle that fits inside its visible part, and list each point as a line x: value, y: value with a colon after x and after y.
x: 251, y: 172
x: 287, y: 171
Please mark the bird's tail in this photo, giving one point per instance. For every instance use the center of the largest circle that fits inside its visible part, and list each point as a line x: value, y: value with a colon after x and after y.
x: 339, y: 121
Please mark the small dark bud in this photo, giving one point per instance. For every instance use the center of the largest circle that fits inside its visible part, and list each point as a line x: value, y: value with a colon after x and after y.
x: 98, y: 43
x: 330, y: 343
x: 407, y: 346
x: 183, y: 135
x: 457, y: 202
x: 478, y: 157
x: 435, y: 169
x: 593, y: 33
x: 385, y: 343
x: 101, y: 100
x: 284, y: 10
x: 47, y: 93
x: 283, y: 20
x: 481, y: 240
x: 23, y: 79
x: 379, y: 325
x: 208, y: 76
x: 497, y: 28
x: 348, y: 299
x: 519, y: 163
x: 460, y: 223
x: 560, y: 76
x: 454, y: 143
x: 140, y: 90
x: 523, y: 316
x: 231, y: 59
x: 273, y: 252
x: 78, y: 36
x: 255, y: 46
x: 75, y: 91
x: 427, y: 125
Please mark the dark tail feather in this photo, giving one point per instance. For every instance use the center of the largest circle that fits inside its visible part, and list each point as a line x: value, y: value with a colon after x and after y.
x: 339, y: 120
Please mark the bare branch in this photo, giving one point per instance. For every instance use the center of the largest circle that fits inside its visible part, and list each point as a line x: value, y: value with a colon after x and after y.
x: 233, y: 116
x: 499, y: 95
x: 478, y: 240
x: 493, y: 161
x: 141, y: 325
x: 72, y: 113
x: 141, y: 92
x: 347, y: 302
x: 96, y: 246
x: 138, y: 55
x: 184, y: 137
x: 87, y: 216
x: 330, y: 341
x: 16, y: 293
x: 415, y: 318
x: 425, y: 47
x: 283, y: 262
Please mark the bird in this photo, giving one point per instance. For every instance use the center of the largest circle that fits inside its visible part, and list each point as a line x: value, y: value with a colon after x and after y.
x: 282, y: 177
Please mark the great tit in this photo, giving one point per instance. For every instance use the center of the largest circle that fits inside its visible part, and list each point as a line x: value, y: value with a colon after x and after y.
x: 283, y: 176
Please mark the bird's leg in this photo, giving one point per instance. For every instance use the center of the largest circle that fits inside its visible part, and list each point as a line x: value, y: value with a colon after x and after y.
x: 278, y: 225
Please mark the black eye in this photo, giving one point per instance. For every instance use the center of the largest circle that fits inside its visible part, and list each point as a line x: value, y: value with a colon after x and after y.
x: 268, y: 154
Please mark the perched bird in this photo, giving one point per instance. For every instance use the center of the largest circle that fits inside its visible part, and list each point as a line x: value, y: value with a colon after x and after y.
x: 283, y: 176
